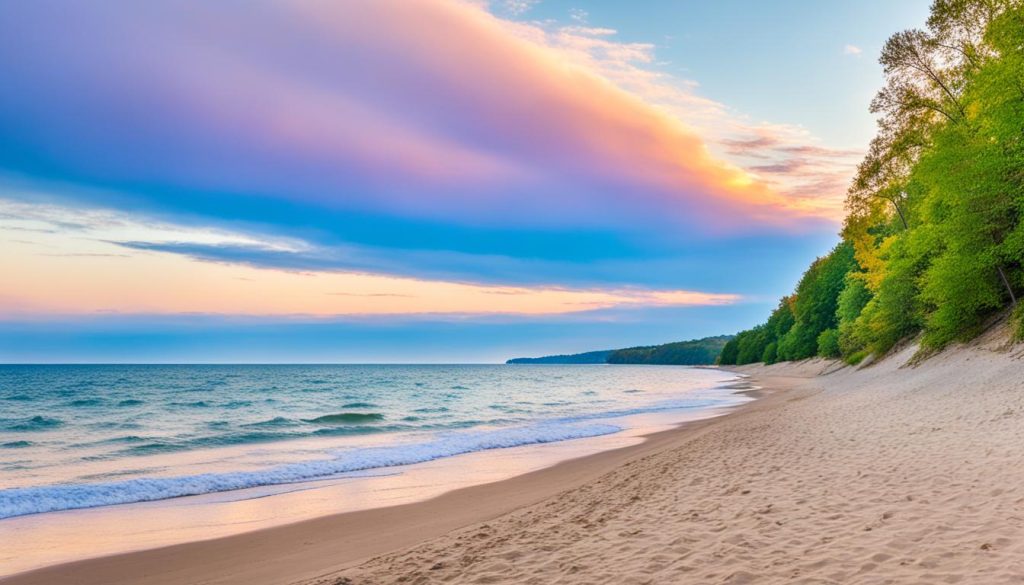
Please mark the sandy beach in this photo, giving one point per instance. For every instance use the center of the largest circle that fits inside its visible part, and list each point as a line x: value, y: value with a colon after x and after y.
x: 891, y: 473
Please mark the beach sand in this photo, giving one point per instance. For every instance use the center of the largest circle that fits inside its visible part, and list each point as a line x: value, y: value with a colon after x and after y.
x: 891, y: 473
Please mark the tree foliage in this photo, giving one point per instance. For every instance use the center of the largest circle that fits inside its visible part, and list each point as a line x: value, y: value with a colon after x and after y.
x: 679, y: 353
x: 792, y: 330
x: 933, y: 240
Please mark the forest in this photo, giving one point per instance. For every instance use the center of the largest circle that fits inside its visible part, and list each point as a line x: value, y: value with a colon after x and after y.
x: 590, y: 357
x: 933, y: 242
x: 695, y: 352
x: 680, y: 353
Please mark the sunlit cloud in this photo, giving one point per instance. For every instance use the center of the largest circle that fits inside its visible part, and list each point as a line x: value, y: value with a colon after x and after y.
x: 517, y: 7
x: 728, y: 134
x: 852, y: 50
x: 331, y: 109
x: 812, y: 175
x: 90, y: 270
x: 579, y: 15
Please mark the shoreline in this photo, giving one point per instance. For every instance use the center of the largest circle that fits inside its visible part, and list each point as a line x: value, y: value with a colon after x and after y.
x: 345, y: 538
x: 898, y: 472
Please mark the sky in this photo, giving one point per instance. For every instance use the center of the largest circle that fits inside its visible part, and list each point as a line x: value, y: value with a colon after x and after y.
x: 418, y: 181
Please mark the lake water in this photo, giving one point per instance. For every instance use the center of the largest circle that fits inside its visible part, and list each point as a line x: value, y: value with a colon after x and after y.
x: 76, y: 437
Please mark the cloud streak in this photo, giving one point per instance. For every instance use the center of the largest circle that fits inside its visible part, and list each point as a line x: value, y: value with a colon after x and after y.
x: 192, y: 271
x: 807, y: 172
x: 742, y: 264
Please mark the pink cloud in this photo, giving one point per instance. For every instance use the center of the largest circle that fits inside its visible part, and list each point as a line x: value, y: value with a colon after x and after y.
x: 436, y: 110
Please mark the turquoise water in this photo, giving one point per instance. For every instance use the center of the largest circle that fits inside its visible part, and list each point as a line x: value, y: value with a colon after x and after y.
x: 84, y: 436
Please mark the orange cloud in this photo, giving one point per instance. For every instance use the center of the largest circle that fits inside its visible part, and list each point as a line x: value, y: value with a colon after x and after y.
x: 54, y: 273
x: 437, y: 110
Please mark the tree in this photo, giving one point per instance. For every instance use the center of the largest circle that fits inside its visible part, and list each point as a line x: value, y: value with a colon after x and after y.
x: 933, y: 239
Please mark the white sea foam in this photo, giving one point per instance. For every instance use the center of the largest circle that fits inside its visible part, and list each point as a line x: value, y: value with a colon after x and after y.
x: 67, y: 418
x: 34, y: 500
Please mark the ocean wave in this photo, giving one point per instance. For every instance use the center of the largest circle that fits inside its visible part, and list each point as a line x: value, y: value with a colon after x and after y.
x: 35, y: 423
x: 152, y: 448
x: 350, y: 430
x: 20, y: 398
x: 240, y: 439
x: 35, y: 500
x: 110, y: 441
x: 432, y: 410
x: 359, y: 405
x: 125, y: 439
x: 663, y: 406
x: 346, y: 418
x: 114, y: 424
x: 277, y: 421
x: 84, y: 402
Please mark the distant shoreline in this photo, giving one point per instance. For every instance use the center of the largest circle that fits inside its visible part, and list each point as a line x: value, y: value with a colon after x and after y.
x: 694, y: 352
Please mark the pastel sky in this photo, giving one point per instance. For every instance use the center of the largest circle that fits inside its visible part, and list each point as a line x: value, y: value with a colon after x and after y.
x: 418, y: 181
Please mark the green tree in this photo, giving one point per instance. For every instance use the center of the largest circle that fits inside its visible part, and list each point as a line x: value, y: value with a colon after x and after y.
x: 828, y: 344
x: 852, y: 300
x: 816, y: 299
x: 934, y: 239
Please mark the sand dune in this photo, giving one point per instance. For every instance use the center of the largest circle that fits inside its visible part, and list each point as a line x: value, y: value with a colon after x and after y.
x: 889, y: 474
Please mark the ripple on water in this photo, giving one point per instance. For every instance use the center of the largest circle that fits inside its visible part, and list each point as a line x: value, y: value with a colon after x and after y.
x: 116, y: 425
x: 359, y: 405
x: 20, y: 398
x: 346, y: 418
x: 85, y: 402
x: 35, y: 423
x: 153, y: 448
x: 277, y: 421
x: 431, y: 410
x: 196, y: 404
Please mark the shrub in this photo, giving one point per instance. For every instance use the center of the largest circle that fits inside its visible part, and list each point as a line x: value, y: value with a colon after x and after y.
x: 828, y: 344
x: 770, y: 353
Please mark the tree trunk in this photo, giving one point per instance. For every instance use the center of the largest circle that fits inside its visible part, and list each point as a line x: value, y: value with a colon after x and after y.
x: 900, y: 212
x: 1006, y: 283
